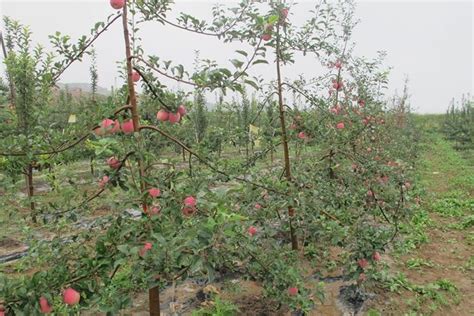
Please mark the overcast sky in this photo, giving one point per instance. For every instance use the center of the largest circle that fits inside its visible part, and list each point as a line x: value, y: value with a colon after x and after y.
x: 431, y: 42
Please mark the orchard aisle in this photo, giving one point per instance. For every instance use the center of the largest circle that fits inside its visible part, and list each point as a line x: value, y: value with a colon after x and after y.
x: 437, y: 277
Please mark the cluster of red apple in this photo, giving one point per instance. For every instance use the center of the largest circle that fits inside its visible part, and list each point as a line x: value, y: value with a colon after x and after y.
x: 188, y: 209
x: 268, y: 28
x: 364, y: 263
x: 155, y: 208
x: 109, y: 127
x: 295, y: 124
x: 70, y: 297
x: 173, y: 118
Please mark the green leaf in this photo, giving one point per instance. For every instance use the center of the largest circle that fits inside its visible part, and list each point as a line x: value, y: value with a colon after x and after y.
x: 251, y: 83
x: 241, y: 52
x: 236, y: 63
x: 260, y: 61
x: 272, y: 19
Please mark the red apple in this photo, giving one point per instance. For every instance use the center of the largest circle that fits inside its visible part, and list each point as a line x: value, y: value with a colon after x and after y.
x: 135, y: 76
x: 337, y: 84
x: 335, y: 110
x: 174, y: 117
x: 376, y: 256
x: 127, y: 127
x: 182, y: 110
x: 266, y: 37
x: 257, y: 206
x: 115, y: 127
x: 162, y: 115
x: 292, y: 291
x: 363, y: 263
x: 268, y: 27
x: 155, y: 210
x: 107, y: 126
x: 284, y: 13
x: 146, y: 247
x: 188, y: 210
x: 154, y: 192
x: 99, y: 131
x: 117, y: 4
x: 103, y: 182
x: 107, y: 123
x: 190, y: 201
x: 252, y: 230
x: 71, y: 296
x: 340, y: 125
x: 338, y: 64
x: 45, y: 308
x: 113, y: 163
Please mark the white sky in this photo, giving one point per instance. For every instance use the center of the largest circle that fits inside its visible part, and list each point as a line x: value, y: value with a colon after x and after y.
x: 431, y: 42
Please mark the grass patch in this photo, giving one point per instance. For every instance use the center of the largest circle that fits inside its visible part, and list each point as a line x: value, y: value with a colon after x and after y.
x: 429, y: 297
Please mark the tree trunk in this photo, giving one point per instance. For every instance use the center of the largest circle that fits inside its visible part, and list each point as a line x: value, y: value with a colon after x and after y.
x: 154, y: 301
x: 153, y: 293
x: 30, y: 189
x: 294, y: 239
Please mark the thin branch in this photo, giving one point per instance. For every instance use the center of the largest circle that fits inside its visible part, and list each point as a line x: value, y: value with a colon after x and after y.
x: 206, y: 162
x: 234, y: 80
x: 79, y: 55
x: 61, y: 148
x: 152, y: 89
x: 207, y: 33
x: 98, y: 193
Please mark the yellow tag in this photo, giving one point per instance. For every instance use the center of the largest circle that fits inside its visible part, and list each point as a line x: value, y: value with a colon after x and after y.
x: 253, y: 129
x: 72, y: 118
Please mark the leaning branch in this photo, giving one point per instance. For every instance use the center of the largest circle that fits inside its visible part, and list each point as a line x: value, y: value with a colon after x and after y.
x: 61, y: 148
x: 206, y: 162
x: 231, y: 26
x: 81, y: 52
